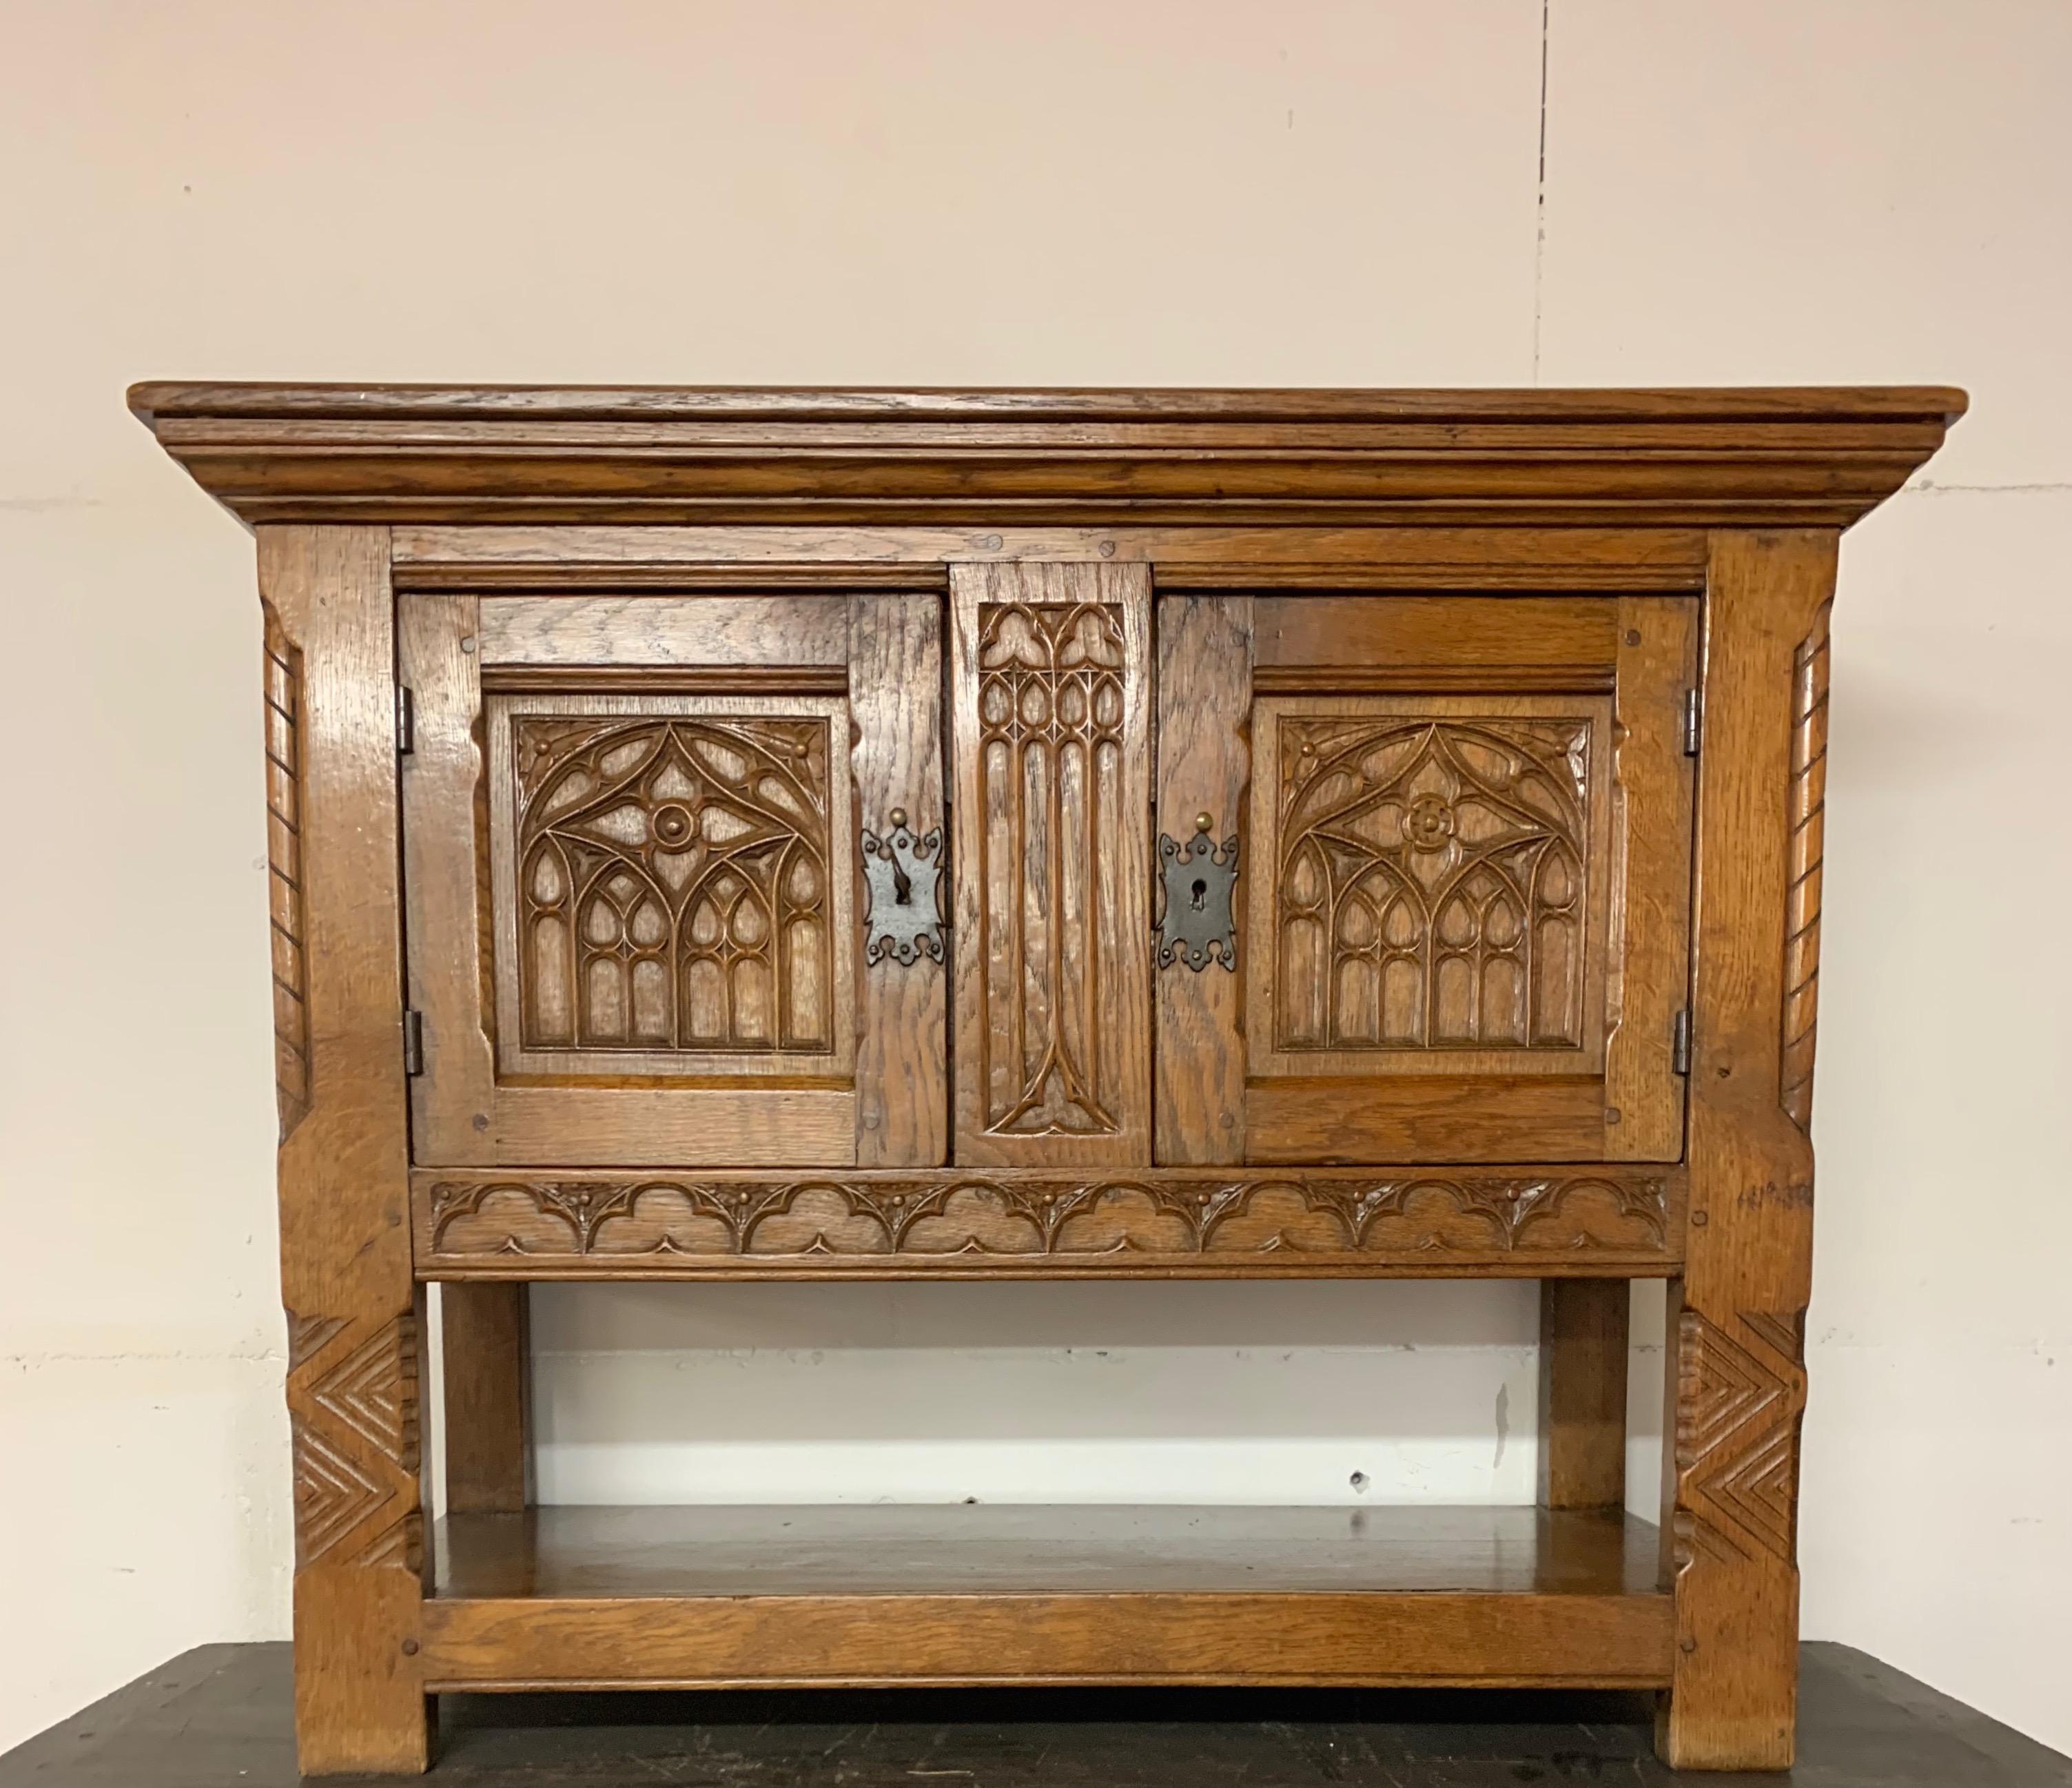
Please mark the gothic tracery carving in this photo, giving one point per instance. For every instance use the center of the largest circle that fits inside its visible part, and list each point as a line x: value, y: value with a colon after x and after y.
x: 1050, y: 717
x: 674, y: 883
x: 1431, y: 881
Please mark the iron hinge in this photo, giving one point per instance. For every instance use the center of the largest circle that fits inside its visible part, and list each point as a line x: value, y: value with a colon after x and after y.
x: 413, y: 1043
x: 406, y: 722
x: 1693, y: 718
x: 1680, y: 1043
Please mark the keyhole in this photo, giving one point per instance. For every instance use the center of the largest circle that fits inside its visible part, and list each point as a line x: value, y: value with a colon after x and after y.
x: 1201, y: 896
x: 902, y: 887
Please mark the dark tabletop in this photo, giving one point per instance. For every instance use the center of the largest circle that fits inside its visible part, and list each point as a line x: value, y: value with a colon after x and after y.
x: 219, y: 1717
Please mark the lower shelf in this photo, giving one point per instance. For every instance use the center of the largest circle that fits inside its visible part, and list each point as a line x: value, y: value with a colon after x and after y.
x: 689, y: 1597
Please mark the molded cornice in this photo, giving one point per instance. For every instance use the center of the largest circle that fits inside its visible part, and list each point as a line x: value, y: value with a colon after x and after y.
x: 1793, y: 457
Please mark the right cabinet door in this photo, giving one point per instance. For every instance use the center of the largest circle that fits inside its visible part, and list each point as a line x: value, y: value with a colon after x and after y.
x: 1467, y: 862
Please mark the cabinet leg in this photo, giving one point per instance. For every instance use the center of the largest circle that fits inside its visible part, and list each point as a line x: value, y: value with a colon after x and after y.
x: 359, y: 1552
x: 1582, y: 1392
x: 486, y: 1353
x: 355, y: 1316
x: 1737, y: 1389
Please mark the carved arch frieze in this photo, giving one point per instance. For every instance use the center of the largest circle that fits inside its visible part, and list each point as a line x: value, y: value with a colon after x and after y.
x: 486, y: 1221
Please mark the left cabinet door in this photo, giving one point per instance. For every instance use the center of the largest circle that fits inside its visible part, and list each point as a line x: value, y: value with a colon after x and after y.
x: 636, y: 910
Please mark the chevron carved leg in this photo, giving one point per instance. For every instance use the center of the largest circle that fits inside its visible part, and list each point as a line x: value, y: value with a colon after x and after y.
x: 1740, y: 1395
x: 354, y: 1313
x: 1738, y: 1391
x: 353, y: 1416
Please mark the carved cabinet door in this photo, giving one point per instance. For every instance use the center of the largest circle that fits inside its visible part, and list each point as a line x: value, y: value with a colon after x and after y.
x: 635, y: 832
x: 1462, y: 913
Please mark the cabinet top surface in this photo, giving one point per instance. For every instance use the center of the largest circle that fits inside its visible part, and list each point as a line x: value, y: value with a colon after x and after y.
x: 1810, y: 456
x: 160, y: 399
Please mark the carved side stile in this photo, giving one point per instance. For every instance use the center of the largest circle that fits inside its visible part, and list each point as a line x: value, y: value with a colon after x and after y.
x: 343, y: 1164
x: 1808, y: 820
x: 283, y: 661
x: 1731, y: 1480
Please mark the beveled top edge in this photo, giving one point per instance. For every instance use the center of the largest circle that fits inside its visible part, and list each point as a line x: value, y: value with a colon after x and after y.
x: 154, y: 399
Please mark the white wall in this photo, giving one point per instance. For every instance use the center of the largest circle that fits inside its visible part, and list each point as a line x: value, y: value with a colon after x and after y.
x: 1131, y: 193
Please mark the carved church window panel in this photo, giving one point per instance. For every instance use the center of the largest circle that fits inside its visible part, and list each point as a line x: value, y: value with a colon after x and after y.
x: 670, y: 883
x: 1436, y: 872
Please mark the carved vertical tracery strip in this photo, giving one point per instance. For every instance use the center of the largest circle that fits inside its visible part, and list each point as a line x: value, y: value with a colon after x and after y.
x: 1808, y: 799
x: 1050, y: 708
x: 283, y: 663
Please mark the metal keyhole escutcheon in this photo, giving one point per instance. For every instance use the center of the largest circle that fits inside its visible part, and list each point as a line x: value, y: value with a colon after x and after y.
x: 1200, y: 880
x: 902, y: 876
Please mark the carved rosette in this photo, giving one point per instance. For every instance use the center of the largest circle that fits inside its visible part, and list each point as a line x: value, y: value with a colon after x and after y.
x: 1741, y: 1396
x: 1808, y: 807
x: 283, y: 665
x: 968, y: 1220
x: 352, y: 1408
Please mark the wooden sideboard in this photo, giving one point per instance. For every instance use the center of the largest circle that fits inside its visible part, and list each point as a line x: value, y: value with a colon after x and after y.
x: 826, y: 834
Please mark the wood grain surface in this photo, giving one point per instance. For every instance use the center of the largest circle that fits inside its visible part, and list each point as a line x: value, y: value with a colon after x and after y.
x: 485, y: 1347
x: 803, y: 1594
x: 1751, y: 458
x: 1583, y: 1338
x: 895, y: 700
x: 1203, y: 741
x: 1738, y: 1322
x: 1318, y: 563
x: 354, y: 1313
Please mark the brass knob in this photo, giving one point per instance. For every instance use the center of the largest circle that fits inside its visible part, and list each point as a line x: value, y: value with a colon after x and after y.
x: 1203, y: 821
x: 897, y: 816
